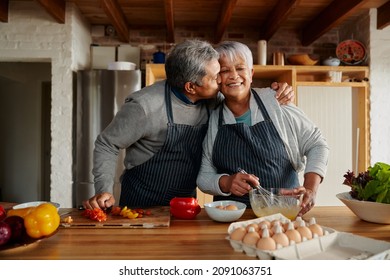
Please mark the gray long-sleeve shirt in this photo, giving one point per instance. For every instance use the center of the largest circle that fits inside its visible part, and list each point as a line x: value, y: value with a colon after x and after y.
x: 140, y: 127
x: 305, y: 145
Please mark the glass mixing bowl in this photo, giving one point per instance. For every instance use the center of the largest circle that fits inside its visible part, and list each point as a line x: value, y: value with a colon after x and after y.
x: 265, y: 203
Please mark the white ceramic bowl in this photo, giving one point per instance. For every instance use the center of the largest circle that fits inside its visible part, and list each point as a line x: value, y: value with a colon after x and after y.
x: 366, y: 210
x: 34, y: 204
x: 221, y: 215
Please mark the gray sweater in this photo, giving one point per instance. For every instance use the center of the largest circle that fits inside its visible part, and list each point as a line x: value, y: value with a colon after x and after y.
x: 304, y: 143
x: 140, y: 127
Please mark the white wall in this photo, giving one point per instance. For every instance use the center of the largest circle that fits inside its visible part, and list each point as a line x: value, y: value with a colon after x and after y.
x: 380, y: 91
x: 33, y: 35
x: 327, y: 107
x: 378, y: 44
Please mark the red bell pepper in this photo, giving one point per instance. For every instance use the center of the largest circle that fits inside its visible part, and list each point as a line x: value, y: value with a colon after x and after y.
x: 184, y: 207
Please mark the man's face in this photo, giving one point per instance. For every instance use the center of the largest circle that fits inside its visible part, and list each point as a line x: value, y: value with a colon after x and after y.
x: 210, y: 82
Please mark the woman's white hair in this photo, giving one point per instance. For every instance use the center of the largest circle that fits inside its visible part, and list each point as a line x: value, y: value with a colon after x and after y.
x: 233, y: 49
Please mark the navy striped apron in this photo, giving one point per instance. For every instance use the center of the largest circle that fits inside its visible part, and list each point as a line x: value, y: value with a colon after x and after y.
x: 257, y: 149
x: 172, y: 171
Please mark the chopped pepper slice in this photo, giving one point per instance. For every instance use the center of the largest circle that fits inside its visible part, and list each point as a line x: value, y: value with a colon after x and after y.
x: 96, y: 214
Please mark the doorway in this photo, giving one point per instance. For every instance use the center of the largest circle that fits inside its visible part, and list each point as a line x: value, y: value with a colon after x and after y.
x: 25, y: 108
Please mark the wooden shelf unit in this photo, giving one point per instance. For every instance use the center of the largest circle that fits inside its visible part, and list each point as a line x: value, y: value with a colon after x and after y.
x: 316, y: 76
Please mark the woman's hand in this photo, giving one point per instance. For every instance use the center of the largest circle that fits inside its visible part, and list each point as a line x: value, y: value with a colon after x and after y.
x: 101, y: 200
x: 238, y: 184
x: 311, y: 184
x: 308, y: 199
x: 284, y: 93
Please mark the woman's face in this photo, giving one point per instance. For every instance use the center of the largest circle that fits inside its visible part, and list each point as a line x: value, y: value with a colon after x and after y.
x: 236, y: 77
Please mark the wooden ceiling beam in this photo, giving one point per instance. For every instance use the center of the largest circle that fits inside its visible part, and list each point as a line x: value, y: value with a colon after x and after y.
x: 56, y: 8
x: 277, y: 16
x: 383, y: 16
x: 169, y: 21
x: 330, y: 17
x: 224, y: 19
x: 4, y: 10
x: 117, y: 18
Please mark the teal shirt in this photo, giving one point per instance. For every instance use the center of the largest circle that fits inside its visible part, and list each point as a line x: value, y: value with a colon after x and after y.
x: 245, y: 118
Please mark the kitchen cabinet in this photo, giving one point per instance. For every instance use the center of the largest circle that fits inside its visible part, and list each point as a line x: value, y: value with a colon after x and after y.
x: 354, y: 77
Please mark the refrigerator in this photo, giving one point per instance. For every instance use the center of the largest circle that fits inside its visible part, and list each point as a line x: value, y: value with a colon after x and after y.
x: 99, y: 96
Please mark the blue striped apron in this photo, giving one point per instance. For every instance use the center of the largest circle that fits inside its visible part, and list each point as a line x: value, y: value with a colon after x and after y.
x: 172, y: 171
x: 257, y: 149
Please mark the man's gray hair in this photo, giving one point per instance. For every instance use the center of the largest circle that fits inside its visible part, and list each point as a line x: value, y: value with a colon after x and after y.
x: 187, y: 62
x: 232, y: 50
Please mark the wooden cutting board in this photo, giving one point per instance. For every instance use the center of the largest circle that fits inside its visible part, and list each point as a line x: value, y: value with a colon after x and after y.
x: 160, y: 217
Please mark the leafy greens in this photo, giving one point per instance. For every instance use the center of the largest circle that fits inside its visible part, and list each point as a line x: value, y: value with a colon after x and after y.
x: 371, y: 185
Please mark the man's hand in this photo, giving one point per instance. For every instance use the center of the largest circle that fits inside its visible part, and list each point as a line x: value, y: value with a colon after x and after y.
x: 101, y: 200
x: 284, y: 93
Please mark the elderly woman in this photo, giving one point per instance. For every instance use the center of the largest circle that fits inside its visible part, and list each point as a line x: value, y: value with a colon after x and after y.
x: 250, y: 130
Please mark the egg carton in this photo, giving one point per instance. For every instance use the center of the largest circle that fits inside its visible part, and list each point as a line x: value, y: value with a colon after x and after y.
x: 336, y: 246
x: 252, y: 251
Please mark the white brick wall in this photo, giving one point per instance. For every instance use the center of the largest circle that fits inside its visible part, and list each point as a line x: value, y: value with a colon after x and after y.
x: 33, y: 35
x: 380, y: 91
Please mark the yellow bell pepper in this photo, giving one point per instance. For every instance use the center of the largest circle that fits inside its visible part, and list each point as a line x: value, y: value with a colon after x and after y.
x: 42, y: 221
x: 22, y: 212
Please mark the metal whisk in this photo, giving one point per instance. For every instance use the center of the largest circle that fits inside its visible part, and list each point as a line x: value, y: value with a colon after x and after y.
x: 269, y: 197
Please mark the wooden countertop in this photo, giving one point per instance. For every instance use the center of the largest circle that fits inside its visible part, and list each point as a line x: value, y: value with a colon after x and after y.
x: 198, y: 239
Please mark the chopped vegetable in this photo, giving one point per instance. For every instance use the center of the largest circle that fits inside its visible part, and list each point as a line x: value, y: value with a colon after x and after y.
x: 116, y: 211
x: 68, y: 220
x: 96, y: 214
x: 371, y: 185
x: 128, y: 213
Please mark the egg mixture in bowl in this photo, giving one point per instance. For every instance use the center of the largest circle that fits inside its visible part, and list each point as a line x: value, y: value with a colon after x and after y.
x: 265, y: 204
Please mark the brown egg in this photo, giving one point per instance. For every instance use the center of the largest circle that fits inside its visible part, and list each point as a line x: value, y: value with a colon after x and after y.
x: 293, y: 234
x: 253, y: 225
x: 238, y: 234
x: 278, y: 225
x: 265, y: 222
x: 275, y: 222
x: 231, y: 207
x: 297, y: 221
x: 315, y: 228
x: 251, y: 237
x: 270, y: 231
x: 304, y: 231
x: 266, y: 242
x: 285, y: 224
x: 279, y: 237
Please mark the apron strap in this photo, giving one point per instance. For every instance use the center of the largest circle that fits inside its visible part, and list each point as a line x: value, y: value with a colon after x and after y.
x: 168, y: 102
